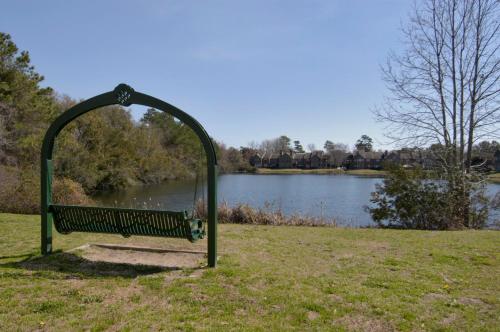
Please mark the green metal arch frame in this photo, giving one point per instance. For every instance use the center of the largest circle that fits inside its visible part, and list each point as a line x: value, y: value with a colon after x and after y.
x: 126, y: 96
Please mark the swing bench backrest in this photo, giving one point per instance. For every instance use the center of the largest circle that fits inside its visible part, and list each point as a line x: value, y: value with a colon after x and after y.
x: 126, y: 222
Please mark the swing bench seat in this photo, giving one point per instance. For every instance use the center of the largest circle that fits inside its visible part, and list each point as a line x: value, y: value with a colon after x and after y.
x: 127, y: 222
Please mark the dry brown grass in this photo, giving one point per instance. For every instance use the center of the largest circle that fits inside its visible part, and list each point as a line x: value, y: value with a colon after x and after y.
x: 245, y: 214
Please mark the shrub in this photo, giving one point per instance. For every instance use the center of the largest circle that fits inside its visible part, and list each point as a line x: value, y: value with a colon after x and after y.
x: 20, y: 191
x: 68, y: 192
x: 416, y: 199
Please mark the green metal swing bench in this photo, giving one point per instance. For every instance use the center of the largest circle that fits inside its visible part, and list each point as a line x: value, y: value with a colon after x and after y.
x: 127, y: 222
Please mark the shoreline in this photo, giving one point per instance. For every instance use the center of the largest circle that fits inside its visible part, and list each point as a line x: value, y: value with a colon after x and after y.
x: 329, y: 171
x: 491, y: 178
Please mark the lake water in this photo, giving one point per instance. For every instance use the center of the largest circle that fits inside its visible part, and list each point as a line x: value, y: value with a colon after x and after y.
x: 342, y: 197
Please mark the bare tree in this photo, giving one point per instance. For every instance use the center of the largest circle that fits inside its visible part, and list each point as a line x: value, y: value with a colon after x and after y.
x: 270, y: 146
x: 341, y: 147
x: 311, y: 147
x: 253, y: 145
x: 445, y: 87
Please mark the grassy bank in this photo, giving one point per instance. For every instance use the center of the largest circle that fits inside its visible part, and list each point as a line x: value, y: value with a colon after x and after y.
x: 360, y: 172
x: 268, y: 278
x: 494, y: 178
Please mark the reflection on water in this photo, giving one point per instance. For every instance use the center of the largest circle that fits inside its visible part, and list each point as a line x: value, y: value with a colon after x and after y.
x: 172, y: 195
x: 331, y: 196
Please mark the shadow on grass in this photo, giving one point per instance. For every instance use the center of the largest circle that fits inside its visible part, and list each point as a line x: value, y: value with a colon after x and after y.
x: 17, y: 256
x: 77, y: 267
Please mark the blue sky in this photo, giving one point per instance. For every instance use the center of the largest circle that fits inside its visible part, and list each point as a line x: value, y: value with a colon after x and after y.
x: 247, y: 70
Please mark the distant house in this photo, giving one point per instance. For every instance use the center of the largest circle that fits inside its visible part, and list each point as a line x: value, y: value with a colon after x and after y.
x: 273, y: 161
x: 300, y: 160
x: 406, y: 157
x: 497, y: 160
x: 364, y: 160
x: 325, y: 161
x: 392, y: 158
x: 409, y: 158
x: 265, y: 160
x: 335, y: 159
x: 375, y: 160
x: 358, y: 161
x: 285, y: 160
x: 256, y: 160
x: 316, y: 159
x: 349, y: 162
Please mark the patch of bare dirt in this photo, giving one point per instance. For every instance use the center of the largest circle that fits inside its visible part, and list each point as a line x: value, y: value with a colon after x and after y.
x: 75, y: 283
x: 431, y: 297
x: 124, y: 293
x: 375, y: 245
x: 335, y: 297
x: 449, y: 319
x: 137, y: 256
x: 471, y: 301
x: 173, y: 275
x: 361, y: 323
x: 312, y: 315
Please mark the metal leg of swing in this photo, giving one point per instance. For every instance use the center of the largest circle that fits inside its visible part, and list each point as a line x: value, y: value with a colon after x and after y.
x: 212, y: 216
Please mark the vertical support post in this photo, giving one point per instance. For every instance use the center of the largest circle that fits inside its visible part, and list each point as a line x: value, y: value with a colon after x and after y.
x: 46, y: 216
x: 212, y: 214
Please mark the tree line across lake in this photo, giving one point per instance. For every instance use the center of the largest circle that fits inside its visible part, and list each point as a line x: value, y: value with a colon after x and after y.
x: 280, y: 153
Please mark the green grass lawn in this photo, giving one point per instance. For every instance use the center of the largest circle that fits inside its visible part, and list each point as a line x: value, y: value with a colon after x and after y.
x: 268, y: 278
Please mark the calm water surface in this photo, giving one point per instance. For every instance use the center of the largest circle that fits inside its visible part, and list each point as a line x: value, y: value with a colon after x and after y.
x: 342, y: 197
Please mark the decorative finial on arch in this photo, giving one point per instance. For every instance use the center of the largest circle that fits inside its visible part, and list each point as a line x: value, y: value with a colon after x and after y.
x: 123, y: 93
